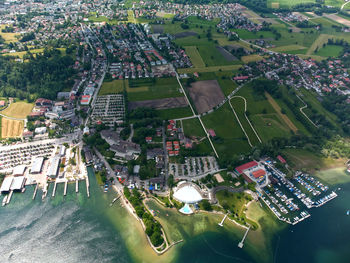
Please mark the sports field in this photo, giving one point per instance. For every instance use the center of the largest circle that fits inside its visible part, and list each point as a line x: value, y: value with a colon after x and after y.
x: 18, y: 110
x: 112, y: 87
x: 11, y: 128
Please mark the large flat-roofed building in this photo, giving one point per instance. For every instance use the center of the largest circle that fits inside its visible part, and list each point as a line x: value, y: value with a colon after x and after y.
x: 52, y: 171
x: 18, y: 183
x: 37, y: 165
x: 62, y: 150
x: 6, y: 184
x: 19, y: 170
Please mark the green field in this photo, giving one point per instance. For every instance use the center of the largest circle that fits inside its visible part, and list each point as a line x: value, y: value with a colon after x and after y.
x: 238, y: 105
x: 192, y: 127
x: 175, y: 113
x: 245, y: 34
x: 209, y: 69
x: 287, y: 3
x: 112, y: 87
x: 230, y: 139
x: 330, y: 51
x: 195, y: 57
x: 151, y: 89
x: 264, y: 118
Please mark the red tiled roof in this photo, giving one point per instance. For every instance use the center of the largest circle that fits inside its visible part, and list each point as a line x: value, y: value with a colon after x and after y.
x: 258, y: 173
x: 246, y: 166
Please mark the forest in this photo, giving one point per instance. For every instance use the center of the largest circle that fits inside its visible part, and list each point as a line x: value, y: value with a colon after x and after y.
x: 42, y: 75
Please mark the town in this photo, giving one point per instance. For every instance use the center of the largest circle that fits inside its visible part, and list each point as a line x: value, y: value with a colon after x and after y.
x: 199, y: 107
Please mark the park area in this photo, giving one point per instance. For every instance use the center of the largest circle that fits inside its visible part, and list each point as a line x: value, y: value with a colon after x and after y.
x: 19, y: 110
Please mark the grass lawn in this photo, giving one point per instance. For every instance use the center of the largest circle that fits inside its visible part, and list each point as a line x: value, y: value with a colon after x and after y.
x: 245, y: 34
x: 147, y: 89
x: 238, y: 105
x: 209, y: 69
x: 311, y: 99
x: 329, y: 170
x: 175, y: 113
x: 192, y: 127
x: 195, y: 57
x: 263, y: 116
x: 18, y: 110
x: 112, y: 87
x: 286, y: 3
x: 330, y: 51
x: 251, y: 58
x: 288, y: 48
x: 336, y: 3
x: 8, y: 37
x: 230, y: 139
x: 225, y: 81
x: 20, y: 54
x: 211, y: 56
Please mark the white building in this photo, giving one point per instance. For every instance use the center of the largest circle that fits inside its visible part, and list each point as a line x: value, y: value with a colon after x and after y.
x: 40, y: 130
x: 19, y: 170
x: 37, y: 165
x: 52, y: 171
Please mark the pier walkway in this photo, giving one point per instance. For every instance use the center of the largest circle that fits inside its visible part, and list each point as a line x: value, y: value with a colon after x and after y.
x: 240, y: 244
x: 223, y: 220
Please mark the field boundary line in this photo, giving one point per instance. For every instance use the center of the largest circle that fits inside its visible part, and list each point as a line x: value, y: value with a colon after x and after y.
x: 304, y: 107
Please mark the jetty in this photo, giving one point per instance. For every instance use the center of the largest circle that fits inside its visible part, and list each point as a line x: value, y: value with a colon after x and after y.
x: 240, y: 244
x: 87, y: 186
x: 65, y: 188
x: 9, y: 197
x: 114, y: 200
x: 35, y: 191
x: 76, y: 185
x: 222, y: 221
x: 54, y: 189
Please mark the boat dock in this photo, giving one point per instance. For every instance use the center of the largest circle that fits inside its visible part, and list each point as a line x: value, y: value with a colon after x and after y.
x: 65, y: 188
x: 87, y: 186
x: 54, y: 190
x: 77, y: 186
x: 114, y: 200
x: 9, y: 197
x: 222, y: 221
x: 35, y: 191
x: 240, y: 244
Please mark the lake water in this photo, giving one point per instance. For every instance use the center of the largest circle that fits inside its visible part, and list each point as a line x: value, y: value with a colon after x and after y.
x: 79, y: 229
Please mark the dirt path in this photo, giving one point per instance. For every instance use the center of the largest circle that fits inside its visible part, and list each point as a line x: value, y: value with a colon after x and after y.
x: 277, y: 108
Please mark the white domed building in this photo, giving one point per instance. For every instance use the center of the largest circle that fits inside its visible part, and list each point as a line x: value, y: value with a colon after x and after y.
x: 188, y: 193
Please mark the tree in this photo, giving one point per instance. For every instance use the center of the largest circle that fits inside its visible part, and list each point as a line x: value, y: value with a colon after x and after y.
x: 206, y: 205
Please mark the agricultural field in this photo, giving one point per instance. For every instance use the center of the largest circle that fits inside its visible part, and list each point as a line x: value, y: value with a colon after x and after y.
x: 251, y: 58
x: 245, y: 34
x: 11, y: 128
x: 112, y: 87
x: 230, y: 139
x: 212, y: 56
x: 18, y: 110
x: 206, y: 95
x: 149, y: 89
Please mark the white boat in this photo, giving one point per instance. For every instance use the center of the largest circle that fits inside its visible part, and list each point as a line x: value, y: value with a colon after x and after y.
x: 4, y: 200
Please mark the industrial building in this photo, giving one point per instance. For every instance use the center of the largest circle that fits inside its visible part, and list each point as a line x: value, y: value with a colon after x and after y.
x: 37, y: 165
x: 12, y: 184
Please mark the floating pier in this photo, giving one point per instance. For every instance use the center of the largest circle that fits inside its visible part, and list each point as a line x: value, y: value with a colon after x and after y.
x: 65, y: 188
x: 35, y: 191
x: 87, y: 186
x: 114, y: 200
x: 222, y: 221
x: 240, y: 244
x: 54, y: 190
x: 9, y: 197
x: 77, y: 186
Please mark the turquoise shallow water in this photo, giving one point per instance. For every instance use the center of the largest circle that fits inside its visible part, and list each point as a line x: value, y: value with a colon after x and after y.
x: 76, y: 229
